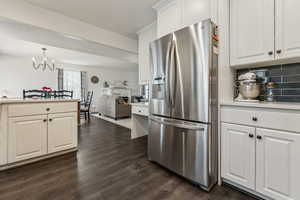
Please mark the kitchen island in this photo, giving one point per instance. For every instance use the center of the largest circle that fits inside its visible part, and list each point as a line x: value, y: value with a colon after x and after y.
x: 36, y: 129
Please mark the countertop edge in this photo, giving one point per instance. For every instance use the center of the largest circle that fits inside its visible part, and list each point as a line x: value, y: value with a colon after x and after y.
x: 16, y: 101
x: 271, y: 105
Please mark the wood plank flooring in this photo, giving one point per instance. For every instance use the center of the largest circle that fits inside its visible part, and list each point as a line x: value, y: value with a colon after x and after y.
x: 108, y: 166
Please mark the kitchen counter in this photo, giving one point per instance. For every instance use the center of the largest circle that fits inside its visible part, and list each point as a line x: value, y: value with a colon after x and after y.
x: 145, y: 104
x: 273, y: 105
x: 21, y: 100
x: 139, y: 119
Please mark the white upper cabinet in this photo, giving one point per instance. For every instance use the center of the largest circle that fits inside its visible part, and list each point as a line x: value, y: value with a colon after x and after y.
x: 194, y: 11
x: 238, y: 154
x: 278, y: 164
x: 176, y: 14
x: 263, y: 31
x: 251, y: 31
x: 287, y: 28
x: 169, y: 17
x: 146, y: 35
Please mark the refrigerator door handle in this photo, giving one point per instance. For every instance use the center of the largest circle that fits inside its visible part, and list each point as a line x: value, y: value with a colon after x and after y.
x: 167, y: 77
x: 173, y: 80
x: 185, y: 125
x: 178, y: 79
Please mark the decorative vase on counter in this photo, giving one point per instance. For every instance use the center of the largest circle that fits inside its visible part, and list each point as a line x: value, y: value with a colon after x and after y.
x: 47, y: 91
x: 270, y: 91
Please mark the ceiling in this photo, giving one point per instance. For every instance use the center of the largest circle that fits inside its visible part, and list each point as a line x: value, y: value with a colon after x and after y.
x: 125, y: 17
x: 20, y: 31
x: 20, y: 48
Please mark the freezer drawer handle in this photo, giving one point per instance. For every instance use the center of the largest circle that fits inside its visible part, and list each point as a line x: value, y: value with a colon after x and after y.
x: 191, y: 127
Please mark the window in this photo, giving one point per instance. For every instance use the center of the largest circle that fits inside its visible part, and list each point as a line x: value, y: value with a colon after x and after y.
x: 72, y: 82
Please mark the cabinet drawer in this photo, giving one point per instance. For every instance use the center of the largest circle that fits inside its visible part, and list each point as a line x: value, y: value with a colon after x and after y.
x: 25, y: 109
x: 62, y: 107
x: 267, y: 118
x: 139, y: 110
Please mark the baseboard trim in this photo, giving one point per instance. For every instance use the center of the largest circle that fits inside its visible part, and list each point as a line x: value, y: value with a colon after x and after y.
x: 245, y: 190
x: 29, y: 161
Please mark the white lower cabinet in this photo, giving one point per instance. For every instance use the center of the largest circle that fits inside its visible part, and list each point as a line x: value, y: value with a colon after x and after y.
x: 38, y: 135
x: 27, y: 137
x: 62, y: 132
x: 278, y: 164
x: 264, y: 160
x: 238, y: 154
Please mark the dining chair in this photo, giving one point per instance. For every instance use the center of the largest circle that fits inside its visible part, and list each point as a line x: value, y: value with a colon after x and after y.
x: 86, y: 105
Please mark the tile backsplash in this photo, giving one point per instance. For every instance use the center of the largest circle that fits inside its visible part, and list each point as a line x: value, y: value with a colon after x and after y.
x: 286, y: 77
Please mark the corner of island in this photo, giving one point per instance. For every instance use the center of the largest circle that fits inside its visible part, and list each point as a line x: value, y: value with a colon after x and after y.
x: 36, y: 129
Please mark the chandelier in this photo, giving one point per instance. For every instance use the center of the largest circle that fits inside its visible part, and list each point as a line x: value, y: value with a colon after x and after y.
x: 43, y: 62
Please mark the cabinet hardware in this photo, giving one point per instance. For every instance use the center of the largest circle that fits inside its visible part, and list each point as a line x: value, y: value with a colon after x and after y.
x: 45, y: 120
x: 254, y: 119
x: 270, y: 53
x: 278, y: 51
x: 251, y: 135
x: 47, y: 109
x: 259, y: 137
x: 50, y: 120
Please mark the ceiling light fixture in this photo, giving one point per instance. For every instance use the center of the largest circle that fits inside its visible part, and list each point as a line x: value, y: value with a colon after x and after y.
x: 43, y: 62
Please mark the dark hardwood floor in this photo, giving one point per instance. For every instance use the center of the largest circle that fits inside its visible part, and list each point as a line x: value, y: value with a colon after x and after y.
x: 108, y: 166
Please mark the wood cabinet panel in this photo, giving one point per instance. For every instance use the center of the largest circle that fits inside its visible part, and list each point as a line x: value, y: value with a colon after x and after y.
x: 287, y: 28
x: 251, y: 31
x: 140, y: 110
x: 267, y: 118
x: 277, y: 164
x: 62, y: 132
x: 194, y: 11
x: 238, y: 154
x: 27, y: 137
x: 146, y: 35
x: 24, y: 109
x: 169, y: 18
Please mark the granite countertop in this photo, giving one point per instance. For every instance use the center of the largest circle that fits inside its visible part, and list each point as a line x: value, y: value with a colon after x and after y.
x: 145, y: 104
x: 273, y: 105
x: 21, y: 100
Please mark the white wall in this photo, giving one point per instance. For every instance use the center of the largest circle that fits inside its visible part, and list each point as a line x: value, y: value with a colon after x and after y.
x: 17, y: 74
x: 106, y: 74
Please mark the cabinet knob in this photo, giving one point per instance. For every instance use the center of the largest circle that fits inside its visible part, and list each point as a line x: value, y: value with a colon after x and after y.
x: 254, y: 119
x: 259, y: 137
x: 278, y: 51
x: 251, y: 135
x: 44, y: 120
x: 47, y: 109
x: 270, y: 53
x: 50, y: 120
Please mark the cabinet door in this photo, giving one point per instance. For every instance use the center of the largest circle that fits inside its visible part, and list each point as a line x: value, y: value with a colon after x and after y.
x: 147, y: 35
x: 251, y: 31
x: 27, y: 137
x: 169, y: 18
x: 194, y: 11
x: 238, y: 154
x: 278, y: 164
x: 287, y: 28
x: 62, y: 132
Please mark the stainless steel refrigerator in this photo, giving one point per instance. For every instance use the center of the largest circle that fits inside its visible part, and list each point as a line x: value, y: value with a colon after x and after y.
x: 184, y: 103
